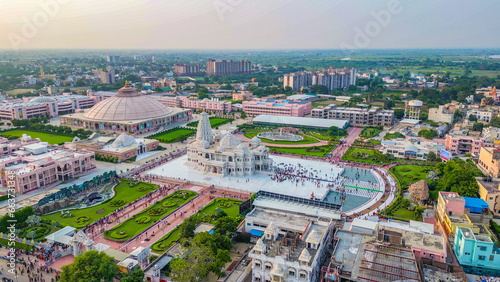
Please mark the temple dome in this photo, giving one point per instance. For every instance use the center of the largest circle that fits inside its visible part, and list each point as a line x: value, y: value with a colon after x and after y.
x: 241, y: 148
x: 127, y: 104
x: 230, y: 141
x: 123, y: 141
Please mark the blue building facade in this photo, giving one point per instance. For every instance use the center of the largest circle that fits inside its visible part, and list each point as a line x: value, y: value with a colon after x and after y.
x: 476, y: 254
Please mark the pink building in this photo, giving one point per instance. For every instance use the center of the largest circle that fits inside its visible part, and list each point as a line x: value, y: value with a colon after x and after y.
x: 7, y: 147
x: 210, y: 105
x: 463, y: 144
x: 264, y: 106
x: 37, y: 166
x: 44, y: 105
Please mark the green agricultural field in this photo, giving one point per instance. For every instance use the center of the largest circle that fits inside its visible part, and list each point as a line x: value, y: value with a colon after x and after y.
x: 229, y: 206
x: 369, y: 132
x: 317, y: 151
x: 214, y: 122
x: 126, y: 192
x: 306, y: 140
x: 172, y: 135
x: 143, y: 220
x: 51, y: 138
x: 407, y: 174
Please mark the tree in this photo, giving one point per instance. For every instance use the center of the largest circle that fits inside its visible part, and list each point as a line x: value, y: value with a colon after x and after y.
x: 431, y: 156
x: 33, y: 220
x: 472, y: 118
x: 478, y: 126
x: 489, y: 101
x: 226, y: 87
x: 428, y: 133
x: 90, y: 266
x: 202, y: 95
x: 399, y: 113
x: 243, y: 115
x: 136, y: 276
x: 457, y: 115
x: 158, y: 89
x: 194, y: 267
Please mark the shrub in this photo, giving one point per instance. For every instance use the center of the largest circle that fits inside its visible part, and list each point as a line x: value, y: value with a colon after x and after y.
x: 143, y: 219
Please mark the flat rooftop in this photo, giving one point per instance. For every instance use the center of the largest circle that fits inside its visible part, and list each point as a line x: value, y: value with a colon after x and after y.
x: 300, y: 221
x: 490, y: 186
x: 301, y: 121
x: 347, y: 248
x: 458, y: 218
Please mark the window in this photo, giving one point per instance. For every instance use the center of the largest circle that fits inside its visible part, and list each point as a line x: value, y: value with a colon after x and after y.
x: 268, y: 267
x: 482, y: 248
x: 492, y: 257
x: 467, y: 254
x: 291, y: 273
x: 257, y: 264
x: 302, y: 276
x: 481, y: 257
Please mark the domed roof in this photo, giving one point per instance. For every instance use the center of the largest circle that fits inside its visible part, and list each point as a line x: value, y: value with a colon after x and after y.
x: 42, y: 99
x: 241, y: 148
x: 127, y: 104
x: 230, y: 141
x: 123, y: 140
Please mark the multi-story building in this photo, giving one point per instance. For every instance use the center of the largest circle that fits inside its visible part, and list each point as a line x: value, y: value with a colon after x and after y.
x: 441, y: 114
x: 356, y: 116
x: 223, y: 67
x: 184, y: 69
x: 107, y: 76
x: 412, y: 149
x: 330, y: 77
x: 463, y: 144
x: 243, y: 95
x: 39, y: 106
x: 7, y: 147
x: 491, y: 135
x: 489, y: 161
x: 455, y: 211
x: 113, y: 59
x: 476, y: 254
x: 265, y: 106
x: 483, y: 114
x: 489, y: 191
x: 38, y: 165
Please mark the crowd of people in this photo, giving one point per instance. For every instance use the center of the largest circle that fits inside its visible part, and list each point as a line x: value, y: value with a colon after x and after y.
x: 33, y: 264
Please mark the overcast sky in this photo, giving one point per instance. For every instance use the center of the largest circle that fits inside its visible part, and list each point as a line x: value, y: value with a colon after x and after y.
x: 247, y: 24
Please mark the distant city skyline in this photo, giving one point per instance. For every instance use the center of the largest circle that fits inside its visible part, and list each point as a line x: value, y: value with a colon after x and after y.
x: 256, y: 24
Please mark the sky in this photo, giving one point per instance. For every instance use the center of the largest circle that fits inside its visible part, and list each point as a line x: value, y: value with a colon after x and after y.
x: 248, y: 24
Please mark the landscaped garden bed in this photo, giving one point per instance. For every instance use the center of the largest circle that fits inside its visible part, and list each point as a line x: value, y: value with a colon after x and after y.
x: 143, y: 220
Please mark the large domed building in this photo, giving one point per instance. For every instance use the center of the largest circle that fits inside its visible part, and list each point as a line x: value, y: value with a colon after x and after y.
x: 127, y: 111
x: 229, y: 156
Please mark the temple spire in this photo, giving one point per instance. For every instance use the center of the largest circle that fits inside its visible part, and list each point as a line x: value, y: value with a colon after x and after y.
x: 204, y: 131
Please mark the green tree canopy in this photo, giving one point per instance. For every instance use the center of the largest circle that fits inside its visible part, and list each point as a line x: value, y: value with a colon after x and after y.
x: 90, y: 266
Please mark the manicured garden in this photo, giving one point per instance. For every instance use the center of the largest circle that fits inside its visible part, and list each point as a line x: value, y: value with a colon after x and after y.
x: 370, y: 131
x: 51, y: 138
x: 365, y: 156
x: 316, y: 151
x: 228, y: 206
x: 306, y: 140
x: 407, y: 174
x: 173, y: 135
x: 214, y: 122
x: 126, y: 192
x: 143, y: 220
x: 394, y: 135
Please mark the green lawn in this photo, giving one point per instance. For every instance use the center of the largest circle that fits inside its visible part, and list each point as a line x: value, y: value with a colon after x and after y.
x: 170, y: 136
x: 306, y: 140
x: 125, y: 192
x: 369, y: 132
x: 45, y: 137
x: 143, y: 220
x: 408, y: 174
x: 173, y: 236
x: 362, y: 156
x: 214, y: 122
x: 394, y: 135
x: 404, y: 213
x: 317, y: 151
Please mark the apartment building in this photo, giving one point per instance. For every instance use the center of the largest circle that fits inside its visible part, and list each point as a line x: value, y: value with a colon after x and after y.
x: 356, y: 116
x: 476, y: 254
x: 330, y: 77
x: 489, y: 161
x: 185, y: 69
x: 264, y: 106
x: 224, y: 67
x: 483, y: 114
x: 463, y: 144
x: 441, y: 114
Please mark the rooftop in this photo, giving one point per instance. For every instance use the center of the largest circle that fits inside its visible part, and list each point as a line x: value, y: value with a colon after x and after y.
x: 301, y: 121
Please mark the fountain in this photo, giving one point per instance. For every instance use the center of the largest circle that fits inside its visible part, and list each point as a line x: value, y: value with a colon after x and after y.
x: 280, y: 136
